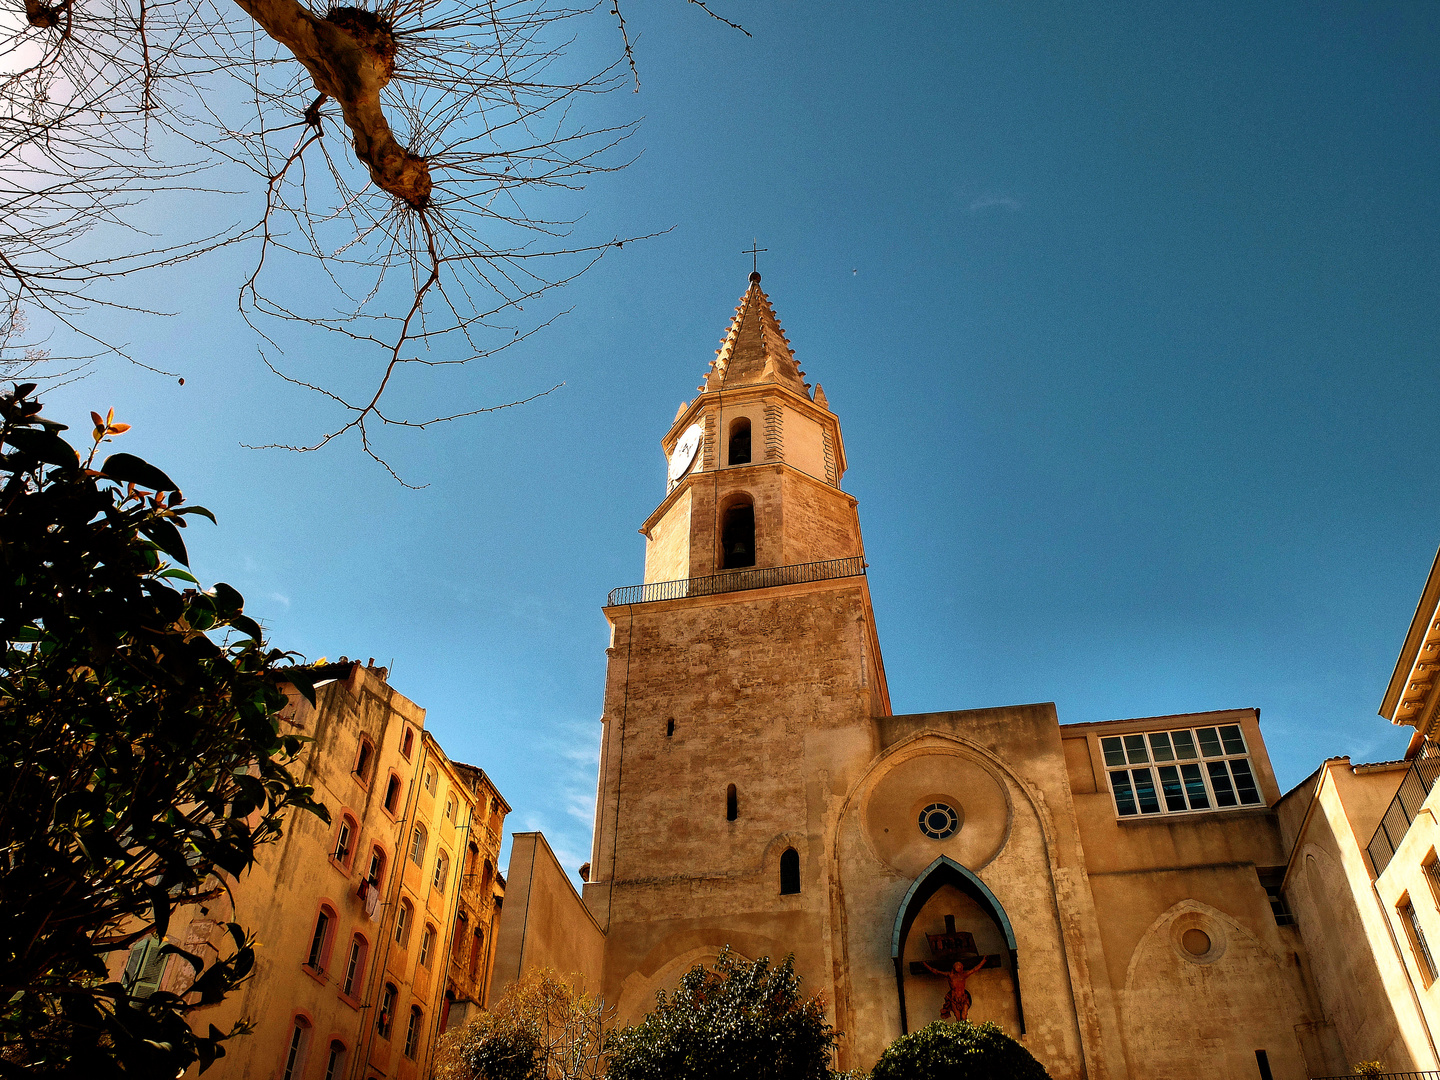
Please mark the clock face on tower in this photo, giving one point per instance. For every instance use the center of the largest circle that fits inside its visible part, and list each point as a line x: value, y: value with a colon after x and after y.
x: 684, y: 452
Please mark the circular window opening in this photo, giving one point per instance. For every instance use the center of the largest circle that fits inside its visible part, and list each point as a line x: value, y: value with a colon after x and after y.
x: 939, y: 821
x: 1195, y: 942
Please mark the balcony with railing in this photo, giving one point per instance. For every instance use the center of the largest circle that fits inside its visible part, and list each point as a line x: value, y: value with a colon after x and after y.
x: 759, y: 577
x: 1409, y: 797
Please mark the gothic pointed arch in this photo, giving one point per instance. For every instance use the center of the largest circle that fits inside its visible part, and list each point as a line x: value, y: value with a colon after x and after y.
x: 946, y: 871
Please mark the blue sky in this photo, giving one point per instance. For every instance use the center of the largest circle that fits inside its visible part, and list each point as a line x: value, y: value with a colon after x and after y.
x: 1130, y: 318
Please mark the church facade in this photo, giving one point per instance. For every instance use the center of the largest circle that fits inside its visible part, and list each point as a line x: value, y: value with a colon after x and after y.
x: 1109, y: 893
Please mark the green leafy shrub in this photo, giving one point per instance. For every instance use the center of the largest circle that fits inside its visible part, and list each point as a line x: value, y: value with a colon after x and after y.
x: 733, y: 1021
x: 140, y: 757
x: 957, y: 1051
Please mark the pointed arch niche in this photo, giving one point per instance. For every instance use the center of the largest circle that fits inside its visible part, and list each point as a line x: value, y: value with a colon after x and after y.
x: 942, y: 873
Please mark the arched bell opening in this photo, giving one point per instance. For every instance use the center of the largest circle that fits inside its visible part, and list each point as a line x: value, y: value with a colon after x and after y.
x: 957, y: 942
x: 740, y: 442
x: 737, y: 535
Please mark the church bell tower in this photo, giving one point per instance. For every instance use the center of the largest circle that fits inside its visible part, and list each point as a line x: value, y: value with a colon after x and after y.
x: 744, y: 674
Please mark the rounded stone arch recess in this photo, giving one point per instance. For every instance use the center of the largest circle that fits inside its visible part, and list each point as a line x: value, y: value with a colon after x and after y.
x: 663, y: 966
x: 946, y: 871
x: 1237, y: 987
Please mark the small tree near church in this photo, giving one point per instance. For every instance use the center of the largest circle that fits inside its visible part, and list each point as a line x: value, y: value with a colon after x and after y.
x: 735, y: 1020
x: 957, y: 1051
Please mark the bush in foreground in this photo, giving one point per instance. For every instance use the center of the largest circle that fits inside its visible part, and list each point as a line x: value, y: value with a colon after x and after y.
x: 736, y: 1020
x: 957, y: 1051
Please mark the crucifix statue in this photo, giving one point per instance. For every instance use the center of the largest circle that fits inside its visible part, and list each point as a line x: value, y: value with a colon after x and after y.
x: 954, y: 949
x: 957, y: 998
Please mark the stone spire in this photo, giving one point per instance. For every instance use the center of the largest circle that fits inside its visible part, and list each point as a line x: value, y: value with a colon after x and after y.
x: 755, y: 349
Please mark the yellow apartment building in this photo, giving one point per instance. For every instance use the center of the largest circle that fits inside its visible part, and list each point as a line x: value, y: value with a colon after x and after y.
x: 376, y: 931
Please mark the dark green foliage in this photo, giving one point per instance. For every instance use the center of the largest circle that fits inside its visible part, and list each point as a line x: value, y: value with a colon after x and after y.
x: 745, y: 1021
x: 137, y: 755
x: 957, y: 1051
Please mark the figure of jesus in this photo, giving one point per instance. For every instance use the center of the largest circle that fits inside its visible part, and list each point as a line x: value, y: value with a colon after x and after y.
x: 957, y: 1001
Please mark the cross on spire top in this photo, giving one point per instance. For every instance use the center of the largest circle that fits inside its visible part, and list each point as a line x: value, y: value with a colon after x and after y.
x: 754, y: 253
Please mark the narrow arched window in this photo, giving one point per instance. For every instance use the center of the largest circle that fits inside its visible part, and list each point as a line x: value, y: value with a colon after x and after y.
x: 295, y: 1052
x: 402, y: 923
x: 737, y: 536
x: 427, y: 939
x: 740, y: 442
x: 362, y: 760
x: 442, y: 871
x: 376, y: 874
x: 476, y: 948
x: 335, y: 1063
x: 417, y: 845
x: 412, y: 1031
x: 407, y: 744
x: 355, y: 966
x: 669, y: 728
x: 789, y: 872
x: 386, y: 1014
x: 732, y: 804
x: 392, y: 794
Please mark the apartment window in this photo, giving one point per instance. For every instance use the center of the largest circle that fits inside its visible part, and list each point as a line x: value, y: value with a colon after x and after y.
x: 1432, y: 875
x: 335, y: 1062
x: 376, y: 873
x: 362, y: 760
x: 355, y: 966
x: 320, y: 940
x: 1423, y: 960
x: 417, y: 845
x: 430, y: 779
x: 143, y: 968
x: 442, y: 870
x: 295, y: 1054
x: 1180, y: 771
x: 343, y: 839
x: 450, y: 808
x: 386, y: 1015
x: 402, y: 924
x: 476, y: 948
x: 1271, y: 878
x: 407, y: 744
x: 427, y: 939
x: 392, y: 794
x: 457, y: 943
x: 412, y: 1032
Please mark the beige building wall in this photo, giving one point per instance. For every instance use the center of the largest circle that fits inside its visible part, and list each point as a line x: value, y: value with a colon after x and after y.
x: 382, y: 778
x: 547, y: 926
x: 1360, y: 975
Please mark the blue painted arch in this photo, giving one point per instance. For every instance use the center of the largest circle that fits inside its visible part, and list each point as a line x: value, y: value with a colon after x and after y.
x: 946, y: 871
x: 934, y: 876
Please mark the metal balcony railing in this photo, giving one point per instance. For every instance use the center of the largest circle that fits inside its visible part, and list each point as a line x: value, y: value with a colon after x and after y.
x: 1410, y: 796
x: 760, y: 577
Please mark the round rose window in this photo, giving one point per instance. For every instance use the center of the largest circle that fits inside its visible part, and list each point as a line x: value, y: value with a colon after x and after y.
x: 939, y: 820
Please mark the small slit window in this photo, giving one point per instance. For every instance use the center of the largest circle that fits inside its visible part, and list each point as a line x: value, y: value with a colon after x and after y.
x: 732, y: 804
x: 669, y: 728
x: 789, y: 872
x: 740, y: 442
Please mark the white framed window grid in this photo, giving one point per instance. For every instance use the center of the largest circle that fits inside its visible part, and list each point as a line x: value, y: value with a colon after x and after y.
x: 1180, y: 771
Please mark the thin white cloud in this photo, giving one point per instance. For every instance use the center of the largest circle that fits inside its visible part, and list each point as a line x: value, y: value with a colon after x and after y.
x: 280, y: 598
x: 994, y: 202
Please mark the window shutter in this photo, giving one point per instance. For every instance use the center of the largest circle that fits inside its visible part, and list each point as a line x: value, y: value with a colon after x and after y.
x: 144, y: 968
